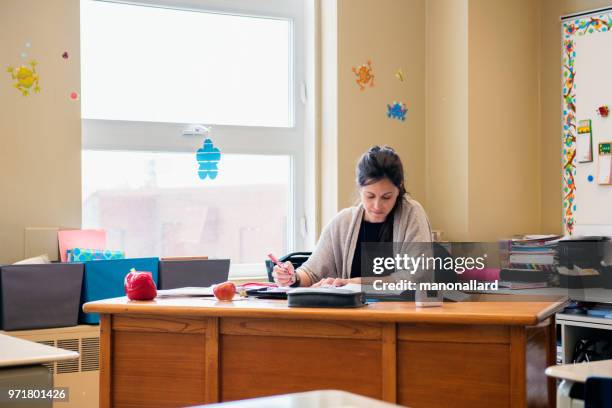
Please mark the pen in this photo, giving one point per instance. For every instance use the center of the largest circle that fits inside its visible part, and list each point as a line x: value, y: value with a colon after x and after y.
x: 277, y: 262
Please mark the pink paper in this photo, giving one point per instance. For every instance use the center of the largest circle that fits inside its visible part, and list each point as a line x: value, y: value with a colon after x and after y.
x: 486, y: 274
x: 69, y: 239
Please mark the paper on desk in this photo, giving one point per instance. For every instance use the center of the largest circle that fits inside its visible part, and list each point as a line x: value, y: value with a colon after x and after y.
x: 351, y: 287
x: 186, y: 292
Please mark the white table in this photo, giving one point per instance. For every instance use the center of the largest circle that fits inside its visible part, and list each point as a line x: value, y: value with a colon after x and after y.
x: 576, y: 373
x: 15, y: 352
x: 311, y: 399
x: 21, y: 369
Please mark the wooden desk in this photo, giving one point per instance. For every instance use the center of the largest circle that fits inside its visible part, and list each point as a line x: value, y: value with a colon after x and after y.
x: 182, y: 351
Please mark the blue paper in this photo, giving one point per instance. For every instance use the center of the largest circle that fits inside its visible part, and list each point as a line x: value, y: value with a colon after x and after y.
x: 208, y: 156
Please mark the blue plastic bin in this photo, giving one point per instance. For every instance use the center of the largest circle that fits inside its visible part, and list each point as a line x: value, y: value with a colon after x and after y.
x: 104, y: 280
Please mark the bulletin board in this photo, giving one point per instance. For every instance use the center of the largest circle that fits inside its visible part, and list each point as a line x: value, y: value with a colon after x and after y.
x: 587, y: 86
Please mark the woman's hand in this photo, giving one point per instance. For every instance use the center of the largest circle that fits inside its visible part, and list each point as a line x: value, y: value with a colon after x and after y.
x: 331, y: 282
x: 284, y: 276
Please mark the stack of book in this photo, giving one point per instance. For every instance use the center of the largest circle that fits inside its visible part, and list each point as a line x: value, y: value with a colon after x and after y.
x: 530, y: 259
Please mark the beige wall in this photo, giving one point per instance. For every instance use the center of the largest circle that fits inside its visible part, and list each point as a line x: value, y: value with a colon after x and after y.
x: 447, y: 116
x: 504, y: 178
x: 483, y: 173
x: 550, y: 113
x: 390, y: 33
x: 40, y: 135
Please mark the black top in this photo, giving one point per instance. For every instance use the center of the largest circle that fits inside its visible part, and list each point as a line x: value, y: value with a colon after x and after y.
x: 368, y: 232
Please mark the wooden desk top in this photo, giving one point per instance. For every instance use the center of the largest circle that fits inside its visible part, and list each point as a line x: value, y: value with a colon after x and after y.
x: 527, y: 311
x: 579, y: 372
x: 14, y: 352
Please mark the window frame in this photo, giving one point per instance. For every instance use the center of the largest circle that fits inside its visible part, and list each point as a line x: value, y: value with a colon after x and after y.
x: 120, y: 135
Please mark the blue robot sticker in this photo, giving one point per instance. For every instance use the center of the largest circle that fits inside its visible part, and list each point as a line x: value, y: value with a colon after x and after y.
x: 208, y: 156
x: 397, y: 111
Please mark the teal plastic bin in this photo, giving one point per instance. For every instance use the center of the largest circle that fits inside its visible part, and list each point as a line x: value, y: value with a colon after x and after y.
x: 104, y: 280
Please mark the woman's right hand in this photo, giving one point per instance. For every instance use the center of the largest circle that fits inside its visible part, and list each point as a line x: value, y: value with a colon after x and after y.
x: 285, y: 275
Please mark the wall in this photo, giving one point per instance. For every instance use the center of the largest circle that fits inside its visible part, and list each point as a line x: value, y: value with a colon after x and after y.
x: 447, y: 116
x: 390, y: 33
x: 503, y: 80
x: 482, y: 88
x: 40, y: 136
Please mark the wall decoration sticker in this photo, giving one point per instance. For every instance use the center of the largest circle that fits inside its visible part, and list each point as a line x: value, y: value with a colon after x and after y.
x: 26, y: 78
x: 603, y: 111
x: 365, y: 75
x: 399, y: 74
x: 397, y: 111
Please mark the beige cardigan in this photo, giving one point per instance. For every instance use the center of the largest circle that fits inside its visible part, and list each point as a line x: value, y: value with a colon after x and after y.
x: 333, y: 255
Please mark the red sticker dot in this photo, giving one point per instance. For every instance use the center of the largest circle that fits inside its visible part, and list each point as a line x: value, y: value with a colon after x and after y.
x: 74, y: 96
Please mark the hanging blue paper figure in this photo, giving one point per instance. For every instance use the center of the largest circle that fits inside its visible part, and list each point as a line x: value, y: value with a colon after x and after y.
x: 208, y: 156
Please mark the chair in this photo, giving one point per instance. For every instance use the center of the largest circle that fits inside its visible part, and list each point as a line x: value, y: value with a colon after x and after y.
x: 598, y: 392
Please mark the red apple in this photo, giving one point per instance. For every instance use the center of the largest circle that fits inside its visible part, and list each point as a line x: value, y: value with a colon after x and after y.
x: 224, y: 291
x: 139, y: 285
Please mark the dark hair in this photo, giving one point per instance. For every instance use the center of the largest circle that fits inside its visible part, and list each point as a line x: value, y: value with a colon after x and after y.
x: 376, y: 164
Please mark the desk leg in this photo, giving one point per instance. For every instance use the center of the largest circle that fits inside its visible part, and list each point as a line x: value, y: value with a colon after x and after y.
x: 212, y: 360
x: 389, y: 362
x: 105, y: 361
x: 552, y: 359
x: 518, y: 367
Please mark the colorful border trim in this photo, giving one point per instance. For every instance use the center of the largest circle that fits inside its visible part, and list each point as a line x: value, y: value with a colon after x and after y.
x: 571, y: 29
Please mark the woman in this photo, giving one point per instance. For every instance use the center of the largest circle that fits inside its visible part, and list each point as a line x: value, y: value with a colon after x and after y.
x: 386, y: 213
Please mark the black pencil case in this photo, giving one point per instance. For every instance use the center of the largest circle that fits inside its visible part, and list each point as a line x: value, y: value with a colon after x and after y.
x: 325, y: 297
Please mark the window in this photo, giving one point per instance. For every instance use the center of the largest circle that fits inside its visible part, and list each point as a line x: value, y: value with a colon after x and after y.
x: 150, y: 72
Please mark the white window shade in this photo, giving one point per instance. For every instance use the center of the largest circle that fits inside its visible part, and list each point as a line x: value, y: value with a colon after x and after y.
x: 142, y: 63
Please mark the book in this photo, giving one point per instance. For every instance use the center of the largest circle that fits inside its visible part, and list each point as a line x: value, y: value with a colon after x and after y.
x: 534, y: 267
x: 522, y: 285
x: 524, y: 275
x: 541, y: 259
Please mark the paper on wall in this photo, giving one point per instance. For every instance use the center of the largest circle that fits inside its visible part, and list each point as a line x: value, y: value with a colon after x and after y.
x: 604, y: 166
x: 584, y: 145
